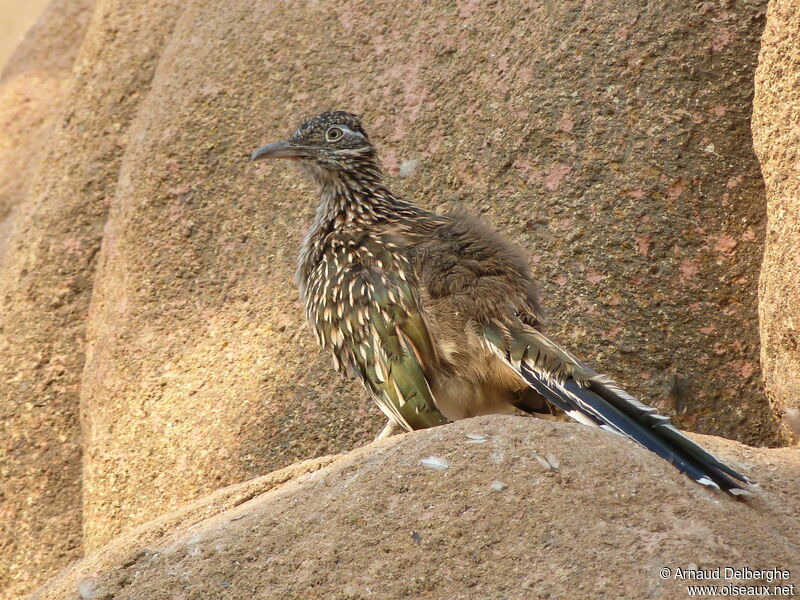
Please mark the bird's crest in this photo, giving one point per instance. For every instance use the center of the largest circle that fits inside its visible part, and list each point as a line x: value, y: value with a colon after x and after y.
x: 316, y: 127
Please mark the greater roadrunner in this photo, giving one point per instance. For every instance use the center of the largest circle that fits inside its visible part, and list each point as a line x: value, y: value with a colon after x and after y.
x: 437, y: 315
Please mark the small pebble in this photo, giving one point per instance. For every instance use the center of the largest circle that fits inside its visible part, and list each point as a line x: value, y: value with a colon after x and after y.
x: 408, y: 167
x: 554, y: 462
x: 498, y: 486
x: 545, y: 462
x: 434, y: 462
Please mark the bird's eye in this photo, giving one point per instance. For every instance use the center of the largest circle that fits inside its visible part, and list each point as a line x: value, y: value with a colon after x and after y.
x: 333, y: 134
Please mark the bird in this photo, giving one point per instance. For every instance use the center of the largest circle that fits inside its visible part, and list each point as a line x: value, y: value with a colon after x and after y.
x: 439, y: 316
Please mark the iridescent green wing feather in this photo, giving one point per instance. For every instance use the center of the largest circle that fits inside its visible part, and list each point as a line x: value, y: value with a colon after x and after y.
x: 371, y: 317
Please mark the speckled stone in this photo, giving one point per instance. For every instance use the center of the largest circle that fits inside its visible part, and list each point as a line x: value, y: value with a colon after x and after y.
x: 777, y: 141
x: 41, y: 352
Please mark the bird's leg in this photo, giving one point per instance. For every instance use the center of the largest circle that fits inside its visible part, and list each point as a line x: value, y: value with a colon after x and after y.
x: 390, y: 429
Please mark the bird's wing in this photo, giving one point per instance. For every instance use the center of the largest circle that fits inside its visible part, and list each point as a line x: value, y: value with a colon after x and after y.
x: 594, y: 399
x: 378, y: 333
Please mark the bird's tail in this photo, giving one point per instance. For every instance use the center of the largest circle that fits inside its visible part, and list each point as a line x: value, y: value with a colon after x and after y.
x: 594, y: 399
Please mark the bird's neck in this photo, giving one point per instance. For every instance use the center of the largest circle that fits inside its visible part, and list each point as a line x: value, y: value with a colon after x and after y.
x: 351, y: 204
x: 357, y: 199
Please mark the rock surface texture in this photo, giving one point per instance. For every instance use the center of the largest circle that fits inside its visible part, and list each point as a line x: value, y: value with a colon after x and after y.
x: 152, y: 349
x: 522, y: 509
x: 40, y: 350
x: 776, y: 134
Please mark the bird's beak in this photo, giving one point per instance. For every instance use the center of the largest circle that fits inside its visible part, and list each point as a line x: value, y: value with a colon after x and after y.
x: 284, y: 149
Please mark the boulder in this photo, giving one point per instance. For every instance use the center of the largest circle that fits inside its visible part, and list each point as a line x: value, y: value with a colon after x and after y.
x: 40, y: 357
x: 492, y: 507
x: 52, y: 236
x: 777, y: 139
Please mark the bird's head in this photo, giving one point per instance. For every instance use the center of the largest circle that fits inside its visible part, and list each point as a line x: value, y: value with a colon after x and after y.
x: 331, y: 145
